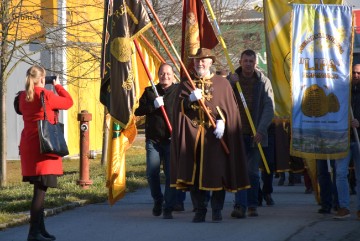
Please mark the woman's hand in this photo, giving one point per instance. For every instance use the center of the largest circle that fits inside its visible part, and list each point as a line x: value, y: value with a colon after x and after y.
x: 56, y: 81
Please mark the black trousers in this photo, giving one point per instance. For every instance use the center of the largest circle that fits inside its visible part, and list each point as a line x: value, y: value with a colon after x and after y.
x: 200, y: 198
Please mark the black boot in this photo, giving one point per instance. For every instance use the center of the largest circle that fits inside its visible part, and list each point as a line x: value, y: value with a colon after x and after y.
x: 43, y: 229
x: 199, y: 201
x: 35, y: 234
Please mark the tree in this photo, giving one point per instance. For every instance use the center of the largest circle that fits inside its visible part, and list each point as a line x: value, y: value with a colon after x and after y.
x: 60, y: 32
x: 238, y: 22
x: 72, y: 32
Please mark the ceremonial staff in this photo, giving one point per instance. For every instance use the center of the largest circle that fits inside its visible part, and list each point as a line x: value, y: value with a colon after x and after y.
x: 153, y: 49
x: 165, y: 48
x: 201, y: 102
x: 152, y: 84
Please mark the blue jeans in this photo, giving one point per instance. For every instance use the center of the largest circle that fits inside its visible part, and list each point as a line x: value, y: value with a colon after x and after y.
x: 342, y: 171
x: 328, y: 191
x: 155, y: 153
x: 249, y: 197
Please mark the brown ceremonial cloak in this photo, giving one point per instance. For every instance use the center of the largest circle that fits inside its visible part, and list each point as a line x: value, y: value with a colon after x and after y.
x: 193, y: 137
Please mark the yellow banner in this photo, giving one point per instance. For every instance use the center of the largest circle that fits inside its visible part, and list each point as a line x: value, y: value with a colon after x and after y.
x: 277, y: 15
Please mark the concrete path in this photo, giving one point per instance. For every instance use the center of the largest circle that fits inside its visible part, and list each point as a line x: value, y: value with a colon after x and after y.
x: 294, y: 217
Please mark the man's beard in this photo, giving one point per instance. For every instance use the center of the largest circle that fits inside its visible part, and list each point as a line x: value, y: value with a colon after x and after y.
x: 201, y: 72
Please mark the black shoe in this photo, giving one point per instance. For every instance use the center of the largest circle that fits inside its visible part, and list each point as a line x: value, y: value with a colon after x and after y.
x: 35, y: 233
x: 199, y: 217
x: 167, y: 214
x: 308, y: 190
x: 157, y: 209
x: 352, y: 191
x: 216, y: 216
x: 37, y: 237
x: 268, y: 199
x: 238, y: 212
x: 324, y: 210
x: 281, y: 181
x: 179, y: 207
x: 43, y: 230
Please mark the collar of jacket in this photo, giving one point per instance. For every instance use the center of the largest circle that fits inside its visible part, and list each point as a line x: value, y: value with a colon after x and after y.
x: 257, y: 73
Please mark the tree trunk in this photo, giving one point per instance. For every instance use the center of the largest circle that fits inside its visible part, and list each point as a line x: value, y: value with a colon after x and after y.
x: 3, y: 135
x: 3, y: 61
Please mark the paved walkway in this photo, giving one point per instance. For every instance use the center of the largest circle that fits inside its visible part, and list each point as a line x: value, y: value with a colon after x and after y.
x: 294, y: 217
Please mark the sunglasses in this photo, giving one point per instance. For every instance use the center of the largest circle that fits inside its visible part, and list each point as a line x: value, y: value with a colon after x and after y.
x: 354, y: 72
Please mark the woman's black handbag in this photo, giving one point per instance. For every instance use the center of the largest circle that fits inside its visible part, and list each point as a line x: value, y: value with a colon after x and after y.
x: 51, y: 136
x: 16, y: 103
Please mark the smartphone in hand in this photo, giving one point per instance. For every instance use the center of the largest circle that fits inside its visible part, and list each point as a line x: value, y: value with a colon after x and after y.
x: 49, y: 80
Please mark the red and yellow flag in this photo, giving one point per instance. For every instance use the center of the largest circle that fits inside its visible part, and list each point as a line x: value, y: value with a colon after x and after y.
x: 197, y: 31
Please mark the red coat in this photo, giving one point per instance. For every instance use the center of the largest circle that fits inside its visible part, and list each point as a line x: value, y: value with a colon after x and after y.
x: 32, y: 162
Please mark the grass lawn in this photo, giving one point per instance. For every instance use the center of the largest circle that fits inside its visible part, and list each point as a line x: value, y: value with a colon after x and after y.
x: 15, y: 199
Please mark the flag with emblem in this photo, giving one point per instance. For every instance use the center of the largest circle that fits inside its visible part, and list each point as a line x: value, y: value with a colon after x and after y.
x: 197, y: 31
x: 277, y: 15
x: 321, y: 50
x: 122, y: 82
x: 125, y: 19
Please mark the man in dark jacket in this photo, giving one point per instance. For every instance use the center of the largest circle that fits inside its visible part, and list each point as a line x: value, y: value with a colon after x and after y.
x: 259, y: 97
x: 157, y: 134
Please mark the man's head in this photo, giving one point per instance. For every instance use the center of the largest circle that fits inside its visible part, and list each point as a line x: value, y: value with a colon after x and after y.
x: 166, y: 75
x: 356, y: 74
x: 203, y: 59
x: 248, y: 62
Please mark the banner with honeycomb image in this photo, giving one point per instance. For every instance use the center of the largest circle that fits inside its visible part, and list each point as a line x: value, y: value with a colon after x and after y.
x: 321, y: 50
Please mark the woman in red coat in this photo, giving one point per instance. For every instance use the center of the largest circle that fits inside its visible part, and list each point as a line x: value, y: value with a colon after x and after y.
x: 41, y: 170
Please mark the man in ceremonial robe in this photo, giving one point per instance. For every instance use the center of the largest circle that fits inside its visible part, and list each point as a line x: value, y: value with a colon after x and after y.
x: 199, y: 161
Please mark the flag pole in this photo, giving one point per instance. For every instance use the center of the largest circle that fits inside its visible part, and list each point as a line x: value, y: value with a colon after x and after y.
x: 103, y: 52
x: 201, y: 102
x: 221, y: 39
x: 153, y: 49
x: 165, y: 48
x: 152, y: 84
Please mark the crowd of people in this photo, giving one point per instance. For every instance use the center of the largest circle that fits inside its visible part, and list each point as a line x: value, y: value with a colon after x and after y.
x: 200, y: 132
x: 213, y: 148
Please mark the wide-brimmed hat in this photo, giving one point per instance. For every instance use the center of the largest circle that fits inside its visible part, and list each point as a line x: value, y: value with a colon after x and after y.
x: 203, y: 53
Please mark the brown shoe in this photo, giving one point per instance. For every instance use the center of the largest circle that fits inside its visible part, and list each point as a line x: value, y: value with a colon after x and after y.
x: 342, y: 213
x: 252, y: 212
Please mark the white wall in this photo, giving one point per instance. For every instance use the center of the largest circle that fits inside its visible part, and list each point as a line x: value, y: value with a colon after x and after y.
x: 15, y: 83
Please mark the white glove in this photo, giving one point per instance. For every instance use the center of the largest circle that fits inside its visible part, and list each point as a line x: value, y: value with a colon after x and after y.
x: 219, y: 130
x: 159, y: 101
x: 195, y: 95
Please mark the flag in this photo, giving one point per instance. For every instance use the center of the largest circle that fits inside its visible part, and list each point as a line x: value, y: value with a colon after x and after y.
x: 120, y: 141
x: 277, y: 27
x: 122, y: 82
x: 125, y: 19
x: 197, y: 31
x: 321, y: 50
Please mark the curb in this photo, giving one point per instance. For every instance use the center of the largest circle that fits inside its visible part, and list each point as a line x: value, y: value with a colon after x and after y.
x: 47, y: 213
